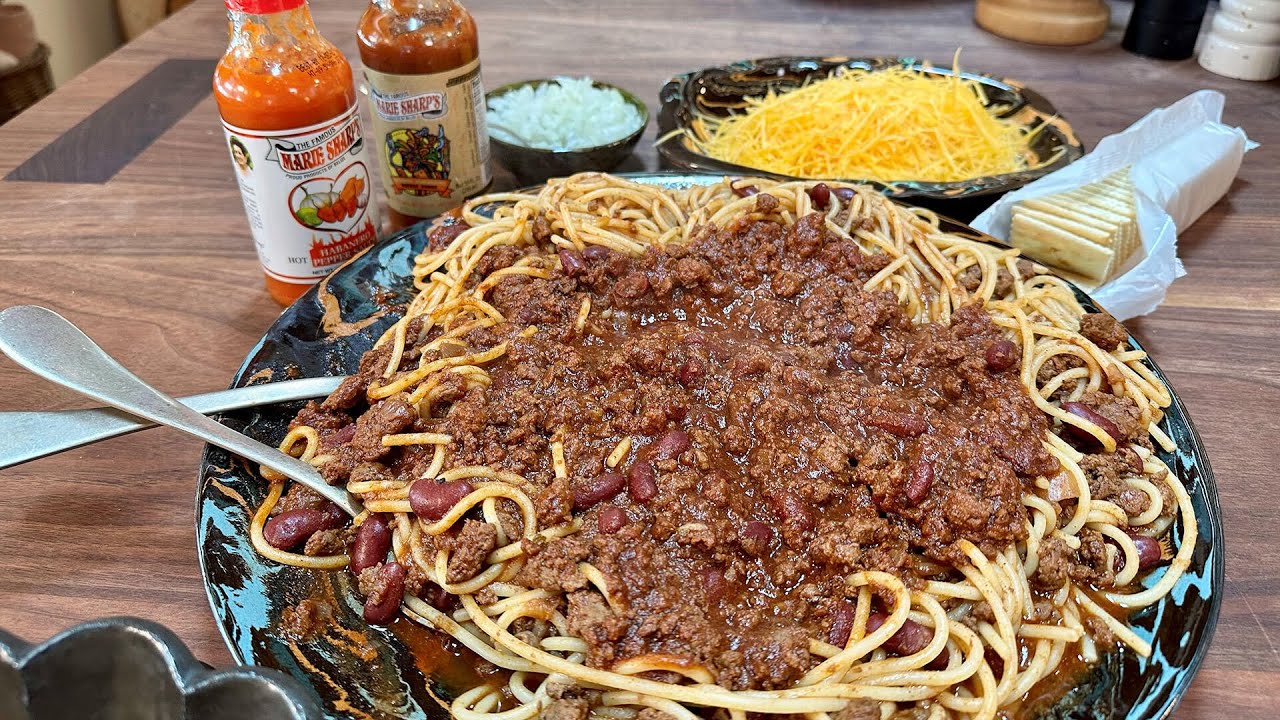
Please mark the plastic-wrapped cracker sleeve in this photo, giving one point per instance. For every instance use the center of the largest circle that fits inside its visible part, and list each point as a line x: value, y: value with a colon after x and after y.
x: 1183, y: 160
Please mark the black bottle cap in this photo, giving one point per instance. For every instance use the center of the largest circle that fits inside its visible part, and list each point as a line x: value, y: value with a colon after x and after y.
x: 1164, y: 29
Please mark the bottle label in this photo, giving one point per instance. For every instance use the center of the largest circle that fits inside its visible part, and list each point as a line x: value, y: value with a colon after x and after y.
x: 307, y: 193
x: 430, y: 137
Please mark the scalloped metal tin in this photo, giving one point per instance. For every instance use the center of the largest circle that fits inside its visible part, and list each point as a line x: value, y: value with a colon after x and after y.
x: 722, y: 90
x: 369, y: 672
x: 131, y: 668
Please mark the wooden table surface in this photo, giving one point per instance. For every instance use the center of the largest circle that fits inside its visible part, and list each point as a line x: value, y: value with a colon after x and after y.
x: 125, y: 217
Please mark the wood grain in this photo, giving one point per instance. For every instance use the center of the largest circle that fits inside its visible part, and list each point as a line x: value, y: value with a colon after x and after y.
x: 123, y: 127
x: 157, y: 265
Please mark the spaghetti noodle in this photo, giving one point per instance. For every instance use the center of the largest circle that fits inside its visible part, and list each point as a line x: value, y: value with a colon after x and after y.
x: 989, y: 507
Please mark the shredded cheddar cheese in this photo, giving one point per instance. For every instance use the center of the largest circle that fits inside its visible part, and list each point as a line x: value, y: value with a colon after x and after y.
x: 889, y: 125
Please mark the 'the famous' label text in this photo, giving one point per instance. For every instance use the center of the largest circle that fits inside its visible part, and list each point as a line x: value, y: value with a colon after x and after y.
x: 399, y: 107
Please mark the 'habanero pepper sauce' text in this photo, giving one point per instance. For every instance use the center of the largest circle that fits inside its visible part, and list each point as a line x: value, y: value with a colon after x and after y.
x: 288, y: 105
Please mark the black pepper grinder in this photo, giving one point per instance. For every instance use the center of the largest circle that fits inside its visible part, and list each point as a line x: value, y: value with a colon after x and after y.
x: 1164, y: 29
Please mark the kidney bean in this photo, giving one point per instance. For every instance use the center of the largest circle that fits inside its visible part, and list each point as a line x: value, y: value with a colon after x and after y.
x: 437, y: 597
x: 631, y: 286
x: 1085, y: 412
x: 335, y: 516
x: 572, y: 264
x: 643, y: 485
x: 383, y: 603
x: 596, y: 253
x: 669, y: 445
x: 842, y: 617
x: 844, y: 193
x: 900, y: 424
x: 594, y: 492
x: 1149, y: 553
x: 431, y: 500
x: 793, y: 510
x: 910, y: 639
x: 288, y: 529
x: 920, y: 480
x: 1002, y: 355
x: 993, y: 660
x: 692, y: 372
x: 820, y: 194
x: 343, y: 436
x: 745, y: 190
x: 756, y: 537
x: 714, y: 584
x: 611, y: 519
x: 373, y: 540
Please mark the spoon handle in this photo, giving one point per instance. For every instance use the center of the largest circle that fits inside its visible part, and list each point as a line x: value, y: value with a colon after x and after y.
x: 48, y: 345
x: 32, y: 435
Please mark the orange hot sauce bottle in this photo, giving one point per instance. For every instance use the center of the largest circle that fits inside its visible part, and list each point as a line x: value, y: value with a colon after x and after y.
x: 422, y: 67
x: 288, y: 106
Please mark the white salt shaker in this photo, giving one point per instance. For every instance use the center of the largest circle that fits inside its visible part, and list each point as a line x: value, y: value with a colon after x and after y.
x: 1244, y: 40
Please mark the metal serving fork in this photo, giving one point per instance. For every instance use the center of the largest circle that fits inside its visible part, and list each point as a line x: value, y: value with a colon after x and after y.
x: 32, y: 435
x: 50, y: 346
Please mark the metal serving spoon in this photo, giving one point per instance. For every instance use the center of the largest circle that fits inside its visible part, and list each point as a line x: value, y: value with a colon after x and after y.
x: 48, y: 345
x: 31, y: 435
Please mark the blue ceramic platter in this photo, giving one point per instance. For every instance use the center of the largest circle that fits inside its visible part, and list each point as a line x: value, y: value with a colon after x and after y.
x: 357, y: 671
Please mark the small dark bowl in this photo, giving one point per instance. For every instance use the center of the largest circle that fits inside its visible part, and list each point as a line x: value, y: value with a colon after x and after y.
x: 534, y: 165
x: 723, y: 90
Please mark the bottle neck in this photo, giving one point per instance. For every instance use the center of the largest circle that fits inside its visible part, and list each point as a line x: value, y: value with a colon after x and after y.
x: 264, y: 30
x: 410, y: 7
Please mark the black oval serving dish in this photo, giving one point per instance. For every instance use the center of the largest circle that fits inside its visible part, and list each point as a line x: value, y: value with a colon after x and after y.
x: 368, y: 672
x: 722, y: 90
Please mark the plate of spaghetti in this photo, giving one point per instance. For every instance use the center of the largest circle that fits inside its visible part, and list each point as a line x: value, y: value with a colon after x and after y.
x: 686, y: 446
x: 911, y: 128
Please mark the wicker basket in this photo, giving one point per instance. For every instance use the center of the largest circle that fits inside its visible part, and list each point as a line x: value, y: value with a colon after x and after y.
x: 22, y: 86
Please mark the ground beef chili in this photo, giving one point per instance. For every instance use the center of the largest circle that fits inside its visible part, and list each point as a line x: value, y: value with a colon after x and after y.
x: 1103, y: 330
x: 306, y: 619
x: 788, y: 428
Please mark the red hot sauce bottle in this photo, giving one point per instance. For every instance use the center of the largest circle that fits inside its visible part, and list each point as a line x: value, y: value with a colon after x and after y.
x: 288, y: 106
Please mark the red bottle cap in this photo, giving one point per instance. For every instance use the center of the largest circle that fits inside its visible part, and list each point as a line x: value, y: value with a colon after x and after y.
x: 264, y: 7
